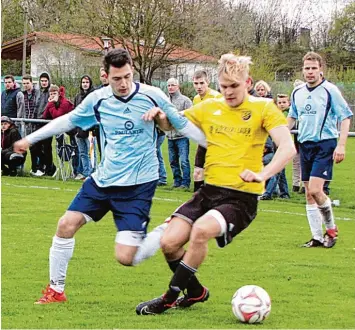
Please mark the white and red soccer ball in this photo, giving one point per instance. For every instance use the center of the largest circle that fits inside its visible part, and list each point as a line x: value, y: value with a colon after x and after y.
x: 251, y: 304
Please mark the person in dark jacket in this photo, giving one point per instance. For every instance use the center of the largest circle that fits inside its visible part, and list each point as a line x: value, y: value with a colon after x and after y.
x: 12, y: 99
x: 84, y: 168
x: 31, y: 97
x: 251, y: 89
x: 9, y: 159
x: 46, y: 165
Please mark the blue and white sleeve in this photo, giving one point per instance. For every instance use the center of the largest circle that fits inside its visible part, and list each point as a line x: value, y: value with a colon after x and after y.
x: 83, y: 115
x: 176, y: 120
x: 339, y: 105
x: 293, y: 109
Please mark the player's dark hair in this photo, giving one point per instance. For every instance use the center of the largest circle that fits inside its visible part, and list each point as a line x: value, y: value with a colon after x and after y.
x: 118, y: 58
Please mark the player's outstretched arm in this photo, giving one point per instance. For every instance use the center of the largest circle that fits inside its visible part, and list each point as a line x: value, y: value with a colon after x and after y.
x: 285, y: 152
x: 339, y: 152
x: 56, y: 126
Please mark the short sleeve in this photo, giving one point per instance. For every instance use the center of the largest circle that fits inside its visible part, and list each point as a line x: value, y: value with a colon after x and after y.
x: 339, y: 105
x: 83, y: 115
x: 195, y: 114
x: 293, y: 110
x: 272, y: 117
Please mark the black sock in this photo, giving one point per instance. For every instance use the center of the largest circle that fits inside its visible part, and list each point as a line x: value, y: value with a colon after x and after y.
x: 173, y: 265
x: 179, y: 281
x: 197, y: 185
x: 194, y: 287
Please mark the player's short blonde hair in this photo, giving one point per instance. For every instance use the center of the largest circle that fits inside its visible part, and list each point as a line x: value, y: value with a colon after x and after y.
x: 234, y: 66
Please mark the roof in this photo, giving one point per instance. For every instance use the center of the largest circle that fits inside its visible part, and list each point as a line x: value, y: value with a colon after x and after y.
x: 94, y: 45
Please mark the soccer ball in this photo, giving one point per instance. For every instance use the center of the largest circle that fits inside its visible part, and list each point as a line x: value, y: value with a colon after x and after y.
x: 251, y: 304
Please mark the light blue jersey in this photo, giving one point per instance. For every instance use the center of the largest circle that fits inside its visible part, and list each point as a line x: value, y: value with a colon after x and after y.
x: 128, y: 143
x: 318, y: 110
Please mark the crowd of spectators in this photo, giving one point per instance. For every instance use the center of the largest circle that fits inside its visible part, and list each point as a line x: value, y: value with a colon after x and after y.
x: 49, y: 101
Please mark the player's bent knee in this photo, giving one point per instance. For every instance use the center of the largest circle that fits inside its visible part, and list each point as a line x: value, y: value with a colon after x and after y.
x: 199, y: 234
x: 124, y: 260
x: 125, y: 254
x: 169, y: 245
x: 69, y: 223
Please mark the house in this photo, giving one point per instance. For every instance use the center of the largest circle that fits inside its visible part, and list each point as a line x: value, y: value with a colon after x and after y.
x: 70, y: 55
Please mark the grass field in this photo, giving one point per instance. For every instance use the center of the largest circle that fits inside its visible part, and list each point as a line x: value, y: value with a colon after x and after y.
x: 310, y: 288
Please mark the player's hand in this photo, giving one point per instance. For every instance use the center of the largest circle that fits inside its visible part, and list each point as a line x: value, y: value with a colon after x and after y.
x: 198, y: 174
x: 21, y: 146
x: 250, y: 176
x: 154, y: 113
x: 339, y: 154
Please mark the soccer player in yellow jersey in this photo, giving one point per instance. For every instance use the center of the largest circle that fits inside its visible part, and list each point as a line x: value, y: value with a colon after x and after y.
x: 236, y: 129
x: 201, y: 83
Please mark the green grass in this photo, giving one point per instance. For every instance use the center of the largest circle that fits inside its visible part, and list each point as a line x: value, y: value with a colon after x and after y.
x: 310, y: 288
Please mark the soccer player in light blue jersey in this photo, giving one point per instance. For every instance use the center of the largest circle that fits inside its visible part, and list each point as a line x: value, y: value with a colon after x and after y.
x: 319, y: 107
x: 126, y: 178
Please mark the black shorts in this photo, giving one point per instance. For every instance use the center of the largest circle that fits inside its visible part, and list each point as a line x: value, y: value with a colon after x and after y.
x: 200, y: 157
x: 238, y: 209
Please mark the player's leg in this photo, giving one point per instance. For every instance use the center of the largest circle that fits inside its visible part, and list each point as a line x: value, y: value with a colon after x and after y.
x: 307, y: 155
x: 131, y: 207
x: 223, y: 221
x: 322, y: 171
x: 173, y: 240
x: 89, y: 204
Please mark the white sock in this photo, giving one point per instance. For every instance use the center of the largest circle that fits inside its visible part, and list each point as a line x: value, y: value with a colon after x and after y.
x: 59, y: 255
x: 315, y: 221
x: 150, y: 245
x: 327, y: 213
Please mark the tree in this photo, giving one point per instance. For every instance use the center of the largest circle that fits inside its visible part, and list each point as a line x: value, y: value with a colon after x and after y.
x: 343, y: 31
x: 150, y: 29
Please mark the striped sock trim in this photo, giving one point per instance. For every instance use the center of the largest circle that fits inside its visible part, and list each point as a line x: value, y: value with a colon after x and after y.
x: 191, y: 269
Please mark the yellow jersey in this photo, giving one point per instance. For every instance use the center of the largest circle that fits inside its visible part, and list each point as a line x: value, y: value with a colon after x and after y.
x: 211, y: 94
x: 235, y: 138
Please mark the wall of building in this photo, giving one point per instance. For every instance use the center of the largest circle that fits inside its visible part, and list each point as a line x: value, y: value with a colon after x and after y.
x: 60, y: 60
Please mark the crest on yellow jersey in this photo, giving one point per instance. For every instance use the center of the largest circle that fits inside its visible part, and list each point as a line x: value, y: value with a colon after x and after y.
x: 246, y: 115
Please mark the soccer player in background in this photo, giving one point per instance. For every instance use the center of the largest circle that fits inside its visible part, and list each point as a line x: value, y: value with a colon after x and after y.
x: 318, y: 106
x: 126, y: 178
x: 236, y: 129
x: 201, y: 85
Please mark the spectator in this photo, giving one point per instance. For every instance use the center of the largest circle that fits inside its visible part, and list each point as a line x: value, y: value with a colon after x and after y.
x: 201, y: 83
x: 162, y: 170
x: 104, y: 83
x: 45, y: 165
x: 12, y: 100
x: 263, y: 89
x: 58, y: 106
x: 251, y: 89
x: 179, y: 147
x: 82, y: 137
x: 9, y: 159
x: 296, y: 164
x: 31, y: 98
